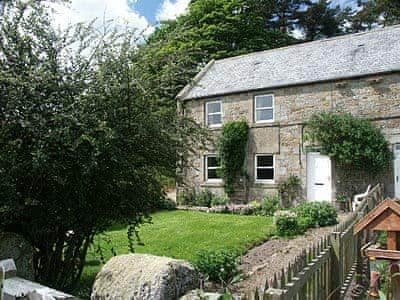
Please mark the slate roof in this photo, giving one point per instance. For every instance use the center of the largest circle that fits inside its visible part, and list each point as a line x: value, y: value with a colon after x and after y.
x: 348, y: 56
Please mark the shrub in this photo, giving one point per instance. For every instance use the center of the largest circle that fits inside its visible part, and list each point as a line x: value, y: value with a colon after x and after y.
x: 319, y: 213
x: 286, y: 223
x: 354, y: 143
x: 232, y: 147
x: 219, y: 200
x: 269, y: 205
x: 166, y: 204
x: 204, y: 198
x: 217, y: 265
x: 187, y: 198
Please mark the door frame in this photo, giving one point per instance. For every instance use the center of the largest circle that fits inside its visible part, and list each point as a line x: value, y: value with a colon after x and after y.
x: 308, y: 166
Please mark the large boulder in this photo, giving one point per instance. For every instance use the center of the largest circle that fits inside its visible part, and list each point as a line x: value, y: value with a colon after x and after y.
x: 16, y: 247
x: 143, y: 276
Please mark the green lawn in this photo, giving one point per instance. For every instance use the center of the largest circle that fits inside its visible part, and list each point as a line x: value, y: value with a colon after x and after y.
x: 180, y: 234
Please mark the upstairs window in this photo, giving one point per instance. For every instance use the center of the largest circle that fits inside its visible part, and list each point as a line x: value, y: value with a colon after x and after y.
x: 264, y: 167
x: 264, y: 108
x: 214, y: 113
x: 212, y: 167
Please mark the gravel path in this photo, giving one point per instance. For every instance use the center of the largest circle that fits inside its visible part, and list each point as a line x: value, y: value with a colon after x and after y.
x: 264, y: 261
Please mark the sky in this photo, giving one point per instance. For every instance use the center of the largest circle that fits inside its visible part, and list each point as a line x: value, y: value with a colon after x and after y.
x: 141, y: 14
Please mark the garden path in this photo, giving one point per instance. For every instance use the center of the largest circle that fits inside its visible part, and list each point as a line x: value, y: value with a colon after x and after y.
x: 263, y: 261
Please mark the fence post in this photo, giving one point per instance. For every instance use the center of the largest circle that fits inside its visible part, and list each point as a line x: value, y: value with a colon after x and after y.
x: 2, y: 277
x: 335, y: 267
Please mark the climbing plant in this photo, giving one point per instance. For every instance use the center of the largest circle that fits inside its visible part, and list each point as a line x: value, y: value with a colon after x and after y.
x: 354, y: 143
x: 232, y: 146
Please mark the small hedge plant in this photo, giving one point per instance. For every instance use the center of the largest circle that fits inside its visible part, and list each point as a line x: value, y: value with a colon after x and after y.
x: 286, y: 223
x: 218, y: 265
x: 204, y: 198
x: 304, y: 216
x: 317, y: 213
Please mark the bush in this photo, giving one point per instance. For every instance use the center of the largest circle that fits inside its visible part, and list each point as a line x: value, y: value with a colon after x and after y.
x: 219, y: 200
x: 166, y: 204
x: 353, y: 143
x: 318, y: 213
x: 204, y: 198
x: 269, y: 205
x: 217, y: 265
x: 187, y: 198
x: 287, y: 224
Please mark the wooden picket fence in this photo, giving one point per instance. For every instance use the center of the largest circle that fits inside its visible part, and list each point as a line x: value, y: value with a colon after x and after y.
x: 326, y: 269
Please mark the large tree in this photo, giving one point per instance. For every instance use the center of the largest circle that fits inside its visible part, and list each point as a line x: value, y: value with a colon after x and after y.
x: 373, y: 13
x: 321, y: 20
x: 82, y: 143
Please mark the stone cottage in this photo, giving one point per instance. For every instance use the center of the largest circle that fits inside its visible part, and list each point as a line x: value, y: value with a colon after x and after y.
x: 277, y: 91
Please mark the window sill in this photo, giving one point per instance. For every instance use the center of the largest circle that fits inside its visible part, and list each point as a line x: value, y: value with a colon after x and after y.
x: 264, y: 124
x: 212, y: 184
x: 264, y: 184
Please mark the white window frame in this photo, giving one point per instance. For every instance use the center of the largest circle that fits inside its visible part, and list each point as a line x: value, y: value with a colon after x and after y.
x: 216, y: 113
x: 206, y: 168
x: 266, y: 107
x: 256, y: 168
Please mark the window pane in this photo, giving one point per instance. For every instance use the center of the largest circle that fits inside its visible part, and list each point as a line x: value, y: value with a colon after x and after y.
x: 263, y: 101
x: 213, y: 107
x: 212, y: 174
x: 214, y: 119
x: 212, y: 161
x: 265, y: 174
x: 265, y: 161
x: 265, y: 114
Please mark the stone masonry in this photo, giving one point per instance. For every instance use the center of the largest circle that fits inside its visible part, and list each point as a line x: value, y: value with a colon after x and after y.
x: 374, y: 97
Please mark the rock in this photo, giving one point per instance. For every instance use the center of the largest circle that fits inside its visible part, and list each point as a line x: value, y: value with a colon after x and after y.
x: 143, y: 276
x: 16, y: 247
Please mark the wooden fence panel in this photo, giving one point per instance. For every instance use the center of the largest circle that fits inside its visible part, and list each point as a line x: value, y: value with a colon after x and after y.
x: 326, y: 269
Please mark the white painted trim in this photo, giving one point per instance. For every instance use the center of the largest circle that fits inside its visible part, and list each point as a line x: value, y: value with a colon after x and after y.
x: 206, y: 168
x: 217, y: 113
x: 260, y: 108
x: 255, y: 168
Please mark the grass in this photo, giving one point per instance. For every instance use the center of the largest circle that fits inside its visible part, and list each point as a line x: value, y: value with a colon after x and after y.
x: 181, y: 234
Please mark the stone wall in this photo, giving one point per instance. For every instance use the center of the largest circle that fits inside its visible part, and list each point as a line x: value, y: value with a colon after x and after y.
x: 374, y: 97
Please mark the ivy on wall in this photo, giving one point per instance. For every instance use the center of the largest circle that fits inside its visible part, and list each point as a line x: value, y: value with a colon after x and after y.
x: 232, y: 147
x: 354, y: 143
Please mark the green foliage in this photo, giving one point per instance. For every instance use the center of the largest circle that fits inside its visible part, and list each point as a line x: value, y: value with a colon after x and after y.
x: 352, y: 142
x: 269, y: 205
x: 321, y: 20
x: 372, y: 13
x: 318, y: 213
x: 341, y: 199
x: 166, y: 204
x: 287, y: 224
x: 232, y: 147
x: 217, y: 265
x: 219, y: 200
x: 204, y: 198
x: 187, y: 197
x: 82, y: 144
x: 289, y: 190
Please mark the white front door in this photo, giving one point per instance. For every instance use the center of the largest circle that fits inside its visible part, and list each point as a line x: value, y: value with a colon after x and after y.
x: 319, y: 177
x: 397, y: 170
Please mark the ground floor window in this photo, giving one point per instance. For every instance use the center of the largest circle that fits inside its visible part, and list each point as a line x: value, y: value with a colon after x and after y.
x: 264, y: 167
x: 212, y: 166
